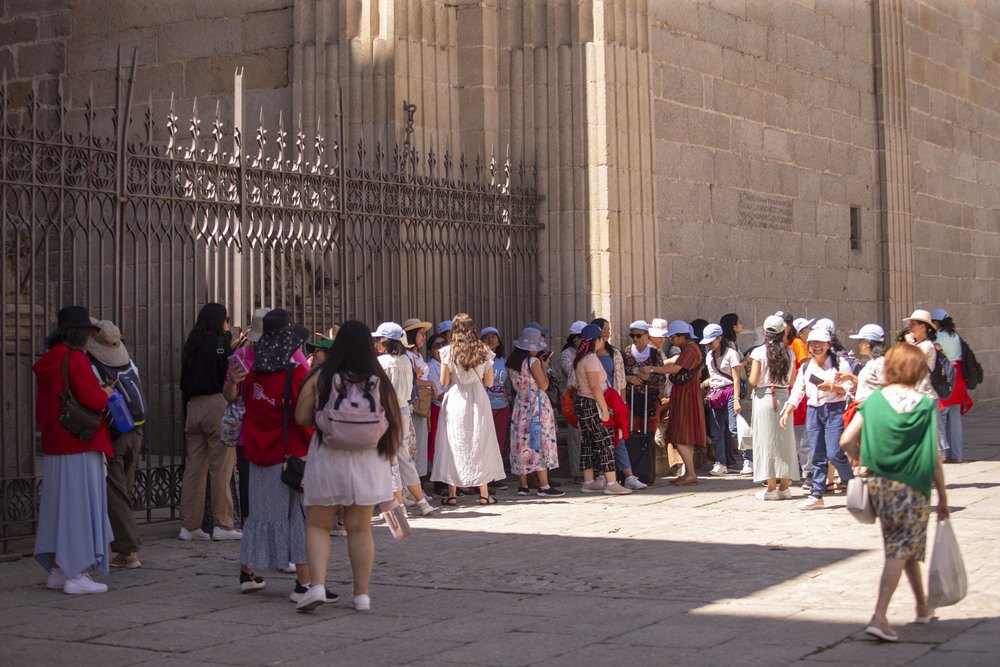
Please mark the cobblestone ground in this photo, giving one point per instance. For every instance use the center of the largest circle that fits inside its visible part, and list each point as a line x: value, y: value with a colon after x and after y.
x: 704, y: 575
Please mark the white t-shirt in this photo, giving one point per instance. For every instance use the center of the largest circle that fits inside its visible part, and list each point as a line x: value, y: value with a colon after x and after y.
x: 869, y: 379
x: 815, y: 397
x: 759, y: 354
x: 400, y: 372
x: 724, y: 376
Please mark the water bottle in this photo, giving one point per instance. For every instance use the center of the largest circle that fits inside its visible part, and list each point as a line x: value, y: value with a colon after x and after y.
x: 395, y: 517
x: 120, y: 412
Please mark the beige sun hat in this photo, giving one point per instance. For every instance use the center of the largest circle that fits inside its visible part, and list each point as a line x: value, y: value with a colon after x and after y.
x: 921, y: 316
x: 257, y: 324
x: 416, y: 323
x: 106, y: 346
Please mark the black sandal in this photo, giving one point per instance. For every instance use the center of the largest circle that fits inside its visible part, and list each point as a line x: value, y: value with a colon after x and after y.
x: 487, y: 500
x: 451, y: 501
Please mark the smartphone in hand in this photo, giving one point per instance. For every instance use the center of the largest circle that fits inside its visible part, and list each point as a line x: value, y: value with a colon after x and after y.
x: 235, y: 359
x: 816, y: 380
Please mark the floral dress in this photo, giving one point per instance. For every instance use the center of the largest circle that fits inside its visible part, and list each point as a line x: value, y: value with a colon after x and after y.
x: 530, y: 400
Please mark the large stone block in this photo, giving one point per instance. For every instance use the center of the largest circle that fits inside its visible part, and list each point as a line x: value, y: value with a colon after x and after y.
x: 18, y: 30
x: 266, y: 30
x: 235, y: 8
x: 778, y: 145
x: 41, y: 59
x: 709, y: 129
x: 89, y: 53
x: 197, y: 39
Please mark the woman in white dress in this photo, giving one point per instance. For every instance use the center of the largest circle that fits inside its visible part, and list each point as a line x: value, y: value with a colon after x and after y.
x: 466, y: 452
x: 355, y: 479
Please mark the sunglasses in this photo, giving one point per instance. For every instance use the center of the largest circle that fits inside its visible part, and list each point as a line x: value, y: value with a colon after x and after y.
x: 638, y: 335
x: 438, y: 345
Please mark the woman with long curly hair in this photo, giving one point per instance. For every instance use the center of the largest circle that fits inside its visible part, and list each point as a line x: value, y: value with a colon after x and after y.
x: 466, y: 452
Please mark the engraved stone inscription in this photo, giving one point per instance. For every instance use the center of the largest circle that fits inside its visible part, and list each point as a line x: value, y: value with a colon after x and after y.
x: 765, y: 211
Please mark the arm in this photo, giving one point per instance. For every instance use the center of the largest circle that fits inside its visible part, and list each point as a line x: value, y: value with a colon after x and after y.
x: 942, y: 509
x: 538, y: 372
x: 445, y: 376
x: 594, y: 381
x: 488, y: 376
x: 305, y: 411
x: 87, y: 389
x: 852, y: 435
x: 237, y: 373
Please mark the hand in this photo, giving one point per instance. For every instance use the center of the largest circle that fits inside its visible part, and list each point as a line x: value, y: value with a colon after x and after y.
x: 644, y: 372
x: 665, y: 401
x: 737, y: 408
x: 108, y: 389
x: 825, y: 386
x: 605, y: 414
x: 237, y: 373
x: 942, y: 509
x: 784, y: 419
x: 633, y: 379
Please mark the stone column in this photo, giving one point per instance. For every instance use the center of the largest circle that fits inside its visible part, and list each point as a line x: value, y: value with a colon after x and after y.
x: 889, y: 34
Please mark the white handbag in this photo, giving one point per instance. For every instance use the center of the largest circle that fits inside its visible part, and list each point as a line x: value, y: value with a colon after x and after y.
x: 859, y: 502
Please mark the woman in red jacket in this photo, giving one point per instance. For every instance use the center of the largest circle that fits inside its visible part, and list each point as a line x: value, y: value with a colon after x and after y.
x: 275, y: 531
x: 73, y: 528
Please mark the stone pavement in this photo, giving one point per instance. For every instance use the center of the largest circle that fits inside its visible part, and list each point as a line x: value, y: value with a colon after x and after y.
x: 704, y: 575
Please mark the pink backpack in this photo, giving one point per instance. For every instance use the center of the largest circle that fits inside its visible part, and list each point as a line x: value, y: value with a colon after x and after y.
x: 353, y: 417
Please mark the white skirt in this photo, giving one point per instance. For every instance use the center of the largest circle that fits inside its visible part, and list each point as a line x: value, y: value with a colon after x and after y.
x: 343, y: 477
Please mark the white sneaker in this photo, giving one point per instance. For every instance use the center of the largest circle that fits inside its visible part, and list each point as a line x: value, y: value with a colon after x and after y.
x: 812, y: 503
x: 747, y: 468
x: 289, y: 569
x: 312, y: 598
x: 718, y: 469
x: 196, y: 534
x: 425, y: 507
x: 616, y: 489
x: 785, y: 494
x: 632, y: 482
x: 408, y: 499
x: 56, y: 580
x: 220, y: 535
x: 82, y: 584
x: 768, y: 495
x: 362, y: 602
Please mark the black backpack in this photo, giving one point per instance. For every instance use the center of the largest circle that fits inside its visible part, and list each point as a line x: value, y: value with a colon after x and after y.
x: 943, y: 375
x: 128, y: 386
x: 971, y: 369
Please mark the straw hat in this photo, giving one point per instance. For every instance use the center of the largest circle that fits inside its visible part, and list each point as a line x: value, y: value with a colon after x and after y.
x: 921, y: 316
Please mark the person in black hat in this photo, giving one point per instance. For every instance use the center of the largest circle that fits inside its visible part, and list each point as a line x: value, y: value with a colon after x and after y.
x: 74, y: 533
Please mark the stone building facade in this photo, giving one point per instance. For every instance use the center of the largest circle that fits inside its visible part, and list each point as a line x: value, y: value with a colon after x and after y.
x: 838, y: 158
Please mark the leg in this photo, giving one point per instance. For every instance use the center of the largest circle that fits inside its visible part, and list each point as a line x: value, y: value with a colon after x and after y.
x: 319, y: 522
x: 522, y: 481
x: 120, y: 482
x: 912, y: 569
x: 803, y: 449
x: 221, y: 462
x: 833, y: 430
x: 817, y: 444
x: 360, y: 545
x: 543, y: 478
x: 420, y: 428
x: 622, y: 461
x: 953, y: 427
x: 772, y: 483
x: 192, y: 502
x: 887, y: 586
x: 785, y: 481
x: 944, y: 447
x: 687, y: 455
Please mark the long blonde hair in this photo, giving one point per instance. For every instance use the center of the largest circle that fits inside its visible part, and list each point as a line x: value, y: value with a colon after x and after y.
x: 467, y: 350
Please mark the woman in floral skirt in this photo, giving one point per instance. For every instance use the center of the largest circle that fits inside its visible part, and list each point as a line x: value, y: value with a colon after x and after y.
x: 530, y: 381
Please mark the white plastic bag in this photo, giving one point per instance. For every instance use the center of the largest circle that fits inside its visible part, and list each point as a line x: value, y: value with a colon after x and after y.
x: 947, y: 582
x: 743, y: 432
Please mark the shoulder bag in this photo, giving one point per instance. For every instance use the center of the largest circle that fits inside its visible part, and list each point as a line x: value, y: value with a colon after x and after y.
x: 74, y: 417
x: 294, y: 467
x: 859, y: 502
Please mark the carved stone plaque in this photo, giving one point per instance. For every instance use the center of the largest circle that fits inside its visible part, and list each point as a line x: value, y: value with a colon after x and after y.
x: 765, y: 211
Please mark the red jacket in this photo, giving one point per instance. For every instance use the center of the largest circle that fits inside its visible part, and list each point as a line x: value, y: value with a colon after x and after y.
x: 263, y: 432
x: 87, y: 390
x: 619, y: 418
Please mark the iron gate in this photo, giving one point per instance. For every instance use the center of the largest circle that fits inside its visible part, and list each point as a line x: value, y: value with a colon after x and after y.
x: 98, y: 212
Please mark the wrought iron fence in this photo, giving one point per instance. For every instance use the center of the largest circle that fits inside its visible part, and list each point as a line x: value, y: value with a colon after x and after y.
x: 97, y: 212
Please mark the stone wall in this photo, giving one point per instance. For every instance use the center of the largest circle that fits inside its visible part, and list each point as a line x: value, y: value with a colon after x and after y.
x: 186, y: 48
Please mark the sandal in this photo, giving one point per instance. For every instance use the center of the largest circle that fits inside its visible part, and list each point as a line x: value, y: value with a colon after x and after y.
x: 487, y: 500
x: 451, y: 501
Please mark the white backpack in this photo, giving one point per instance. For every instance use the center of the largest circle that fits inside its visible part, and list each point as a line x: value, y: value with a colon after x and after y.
x: 353, y: 417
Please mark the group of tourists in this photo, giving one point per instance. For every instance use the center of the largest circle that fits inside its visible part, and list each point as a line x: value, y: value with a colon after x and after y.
x: 317, y: 438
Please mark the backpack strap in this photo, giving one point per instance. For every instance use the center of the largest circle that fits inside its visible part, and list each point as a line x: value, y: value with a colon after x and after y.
x: 369, y: 386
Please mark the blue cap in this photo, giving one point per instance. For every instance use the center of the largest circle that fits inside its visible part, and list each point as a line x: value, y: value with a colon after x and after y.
x: 590, y: 332
x: 678, y: 327
x: 641, y: 325
x: 802, y: 322
x: 443, y: 326
x: 389, y: 330
x: 712, y: 331
x: 536, y: 325
x: 826, y: 324
x: 489, y: 330
x: 939, y: 314
x: 870, y: 332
